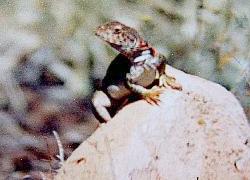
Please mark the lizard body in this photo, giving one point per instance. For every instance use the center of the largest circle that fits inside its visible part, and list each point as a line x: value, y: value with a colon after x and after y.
x: 134, y: 71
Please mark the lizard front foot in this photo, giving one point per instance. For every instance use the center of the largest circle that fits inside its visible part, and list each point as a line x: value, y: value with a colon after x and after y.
x: 167, y: 80
x: 152, y: 95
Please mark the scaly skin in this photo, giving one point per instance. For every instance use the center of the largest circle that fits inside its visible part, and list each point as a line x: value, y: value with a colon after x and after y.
x: 115, y: 91
x: 133, y: 72
x: 128, y: 42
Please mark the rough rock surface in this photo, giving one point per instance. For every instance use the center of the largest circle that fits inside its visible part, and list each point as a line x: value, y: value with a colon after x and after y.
x: 198, y: 133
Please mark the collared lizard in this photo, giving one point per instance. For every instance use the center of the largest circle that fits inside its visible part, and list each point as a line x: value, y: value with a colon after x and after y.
x: 134, y: 71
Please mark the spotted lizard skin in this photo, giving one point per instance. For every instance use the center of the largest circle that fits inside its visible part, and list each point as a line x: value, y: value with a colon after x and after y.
x: 127, y: 41
x: 134, y: 71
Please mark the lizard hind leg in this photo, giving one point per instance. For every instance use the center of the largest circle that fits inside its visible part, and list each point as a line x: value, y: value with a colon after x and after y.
x: 101, y: 102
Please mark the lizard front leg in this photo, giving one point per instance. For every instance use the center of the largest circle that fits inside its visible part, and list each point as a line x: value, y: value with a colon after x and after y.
x: 158, y: 63
x: 150, y: 95
x: 101, y: 102
x: 166, y: 79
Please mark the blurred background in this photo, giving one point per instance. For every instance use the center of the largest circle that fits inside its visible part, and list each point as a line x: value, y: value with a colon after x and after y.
x: 50, y: 62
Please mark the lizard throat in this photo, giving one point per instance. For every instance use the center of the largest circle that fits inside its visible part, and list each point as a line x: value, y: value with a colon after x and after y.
x: 149, y: 51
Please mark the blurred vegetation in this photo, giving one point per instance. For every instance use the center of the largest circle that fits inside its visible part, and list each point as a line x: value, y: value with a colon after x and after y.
x: 50, y: 62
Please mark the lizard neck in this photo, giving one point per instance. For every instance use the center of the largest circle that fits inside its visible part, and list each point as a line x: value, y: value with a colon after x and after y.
x: 143, y: 48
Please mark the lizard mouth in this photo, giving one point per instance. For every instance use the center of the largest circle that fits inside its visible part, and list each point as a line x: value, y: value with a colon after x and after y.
x: 122, y: 48
x: 117, y: 47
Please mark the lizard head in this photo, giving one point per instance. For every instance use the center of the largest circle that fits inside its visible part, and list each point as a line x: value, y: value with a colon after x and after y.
x: 121, y: 37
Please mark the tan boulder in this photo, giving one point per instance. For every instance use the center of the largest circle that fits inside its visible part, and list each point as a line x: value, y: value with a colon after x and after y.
x: 198, y: 133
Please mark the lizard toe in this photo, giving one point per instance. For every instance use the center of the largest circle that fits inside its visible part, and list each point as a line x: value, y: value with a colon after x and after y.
x: 153, y: 96
x: 166, y: 81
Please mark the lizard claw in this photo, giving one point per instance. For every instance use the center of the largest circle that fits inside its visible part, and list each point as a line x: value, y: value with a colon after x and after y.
x: 166, y: 80
x: 152, y: 96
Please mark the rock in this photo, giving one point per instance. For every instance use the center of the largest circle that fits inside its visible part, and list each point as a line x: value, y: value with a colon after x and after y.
x: 198, y: 133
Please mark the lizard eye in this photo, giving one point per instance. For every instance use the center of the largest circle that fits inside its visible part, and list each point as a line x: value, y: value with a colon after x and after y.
x: 117, y: 31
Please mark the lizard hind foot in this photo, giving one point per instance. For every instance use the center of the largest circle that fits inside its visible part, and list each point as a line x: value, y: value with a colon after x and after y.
x: 152, y: 96
x: 166, y: 80
x: 100, y: 102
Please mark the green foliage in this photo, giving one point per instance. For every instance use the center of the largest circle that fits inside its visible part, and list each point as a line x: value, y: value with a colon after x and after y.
x: 210, y: 39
